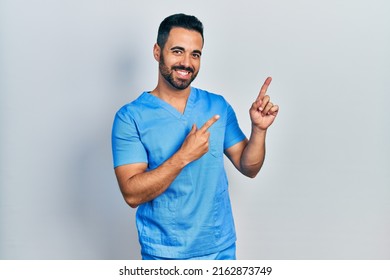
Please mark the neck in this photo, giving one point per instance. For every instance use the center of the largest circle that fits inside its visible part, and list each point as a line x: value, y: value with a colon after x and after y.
x: 173, y: 96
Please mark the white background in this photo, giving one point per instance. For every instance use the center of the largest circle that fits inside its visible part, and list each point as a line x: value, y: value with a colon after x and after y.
x: 66, y: 67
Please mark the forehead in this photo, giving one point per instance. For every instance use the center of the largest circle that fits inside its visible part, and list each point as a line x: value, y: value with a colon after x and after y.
x: 188, y: 39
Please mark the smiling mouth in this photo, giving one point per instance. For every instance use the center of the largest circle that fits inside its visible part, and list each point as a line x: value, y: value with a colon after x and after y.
x: 183, y: 73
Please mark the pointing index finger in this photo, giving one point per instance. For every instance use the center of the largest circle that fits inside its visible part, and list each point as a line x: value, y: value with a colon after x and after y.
x: 209, y: 123
x: 264, y: 88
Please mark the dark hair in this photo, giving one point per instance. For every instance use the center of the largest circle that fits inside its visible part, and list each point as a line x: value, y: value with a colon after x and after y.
x: 177, y: 20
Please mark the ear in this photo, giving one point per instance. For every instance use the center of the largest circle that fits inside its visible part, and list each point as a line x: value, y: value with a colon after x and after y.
x: 156, y: 52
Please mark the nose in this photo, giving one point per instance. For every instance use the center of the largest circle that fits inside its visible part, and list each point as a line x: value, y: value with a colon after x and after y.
x: 186, y: 60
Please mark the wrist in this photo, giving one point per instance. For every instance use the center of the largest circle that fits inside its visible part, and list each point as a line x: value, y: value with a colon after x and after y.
x: 179, y: 159
x: 258, y: 130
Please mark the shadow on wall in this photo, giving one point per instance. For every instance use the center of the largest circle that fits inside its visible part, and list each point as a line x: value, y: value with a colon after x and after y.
x: 104, y: 217
x: 106, y: 222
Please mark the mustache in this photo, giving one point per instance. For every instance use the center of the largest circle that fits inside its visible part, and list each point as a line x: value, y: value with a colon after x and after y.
x: 189, y: 69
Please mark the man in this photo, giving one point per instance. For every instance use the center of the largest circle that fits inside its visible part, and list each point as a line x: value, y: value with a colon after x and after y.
x: 168, y: 148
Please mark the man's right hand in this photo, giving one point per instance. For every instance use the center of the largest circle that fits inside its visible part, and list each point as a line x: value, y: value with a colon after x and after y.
x: 196, y: 143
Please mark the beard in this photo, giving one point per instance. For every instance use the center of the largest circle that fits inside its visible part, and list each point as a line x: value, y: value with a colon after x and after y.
x: 177, y: 83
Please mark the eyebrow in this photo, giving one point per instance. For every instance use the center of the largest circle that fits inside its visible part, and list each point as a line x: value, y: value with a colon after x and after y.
x: 198, y: 52
x: 182, y: 49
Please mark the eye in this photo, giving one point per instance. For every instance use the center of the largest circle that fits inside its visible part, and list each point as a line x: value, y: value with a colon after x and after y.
x: 177, y: 51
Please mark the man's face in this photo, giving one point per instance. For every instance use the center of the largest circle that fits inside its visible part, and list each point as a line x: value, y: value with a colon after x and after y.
x: 180, y: 59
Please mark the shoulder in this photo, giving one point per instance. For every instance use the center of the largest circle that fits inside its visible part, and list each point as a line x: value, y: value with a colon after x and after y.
x: 207, y: 96
x: 132, y: 109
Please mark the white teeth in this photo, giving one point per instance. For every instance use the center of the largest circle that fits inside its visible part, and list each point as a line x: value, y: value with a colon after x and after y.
x: 183, y: 73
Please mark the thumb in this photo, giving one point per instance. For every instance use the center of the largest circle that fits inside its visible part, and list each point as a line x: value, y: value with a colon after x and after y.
x: 193, y: 129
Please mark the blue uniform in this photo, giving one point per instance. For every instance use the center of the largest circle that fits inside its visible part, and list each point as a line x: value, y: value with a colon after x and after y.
x: 193, y: 216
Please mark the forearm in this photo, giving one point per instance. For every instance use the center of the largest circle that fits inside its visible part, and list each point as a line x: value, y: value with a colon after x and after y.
x: 253, y: 155
x: 147, y: 185
x: 139, y: 186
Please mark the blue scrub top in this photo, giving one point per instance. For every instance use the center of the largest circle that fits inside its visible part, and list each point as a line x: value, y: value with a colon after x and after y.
x: 193, y: 216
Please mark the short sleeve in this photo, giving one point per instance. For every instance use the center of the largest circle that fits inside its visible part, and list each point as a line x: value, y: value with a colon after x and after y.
x: 125, y: 139
x: 233, y: 132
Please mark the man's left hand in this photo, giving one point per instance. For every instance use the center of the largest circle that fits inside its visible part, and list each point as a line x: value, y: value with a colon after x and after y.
x: 263, y: 112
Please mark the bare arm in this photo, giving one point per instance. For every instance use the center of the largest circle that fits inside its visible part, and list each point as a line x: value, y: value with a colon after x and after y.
x: 248, y: 156
x: 139, y: 186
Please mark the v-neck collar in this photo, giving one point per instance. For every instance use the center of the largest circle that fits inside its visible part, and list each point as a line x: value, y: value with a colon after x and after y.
x: 187, y: 110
